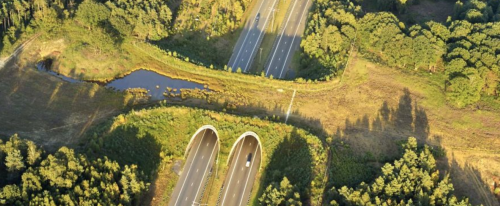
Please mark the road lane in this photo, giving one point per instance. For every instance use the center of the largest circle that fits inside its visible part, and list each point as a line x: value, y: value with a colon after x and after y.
x: 289, y: 40
x: 198, y: 164
x: 252, y: 35
x: 240, y: 179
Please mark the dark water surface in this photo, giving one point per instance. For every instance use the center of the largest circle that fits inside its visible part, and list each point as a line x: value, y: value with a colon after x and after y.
x: 155, y: 83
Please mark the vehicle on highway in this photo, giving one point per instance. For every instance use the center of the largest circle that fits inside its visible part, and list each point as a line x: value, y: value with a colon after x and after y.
x: 249, y: 159
x: 257, y: 17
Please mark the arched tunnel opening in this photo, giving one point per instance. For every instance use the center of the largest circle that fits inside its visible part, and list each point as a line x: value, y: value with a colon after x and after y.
x: 244, y: 163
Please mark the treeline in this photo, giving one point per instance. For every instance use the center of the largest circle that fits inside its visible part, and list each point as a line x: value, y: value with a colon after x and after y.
x: 213, y: 17
x: 31, y: 176
x: 328, y: 37
x: 411, y: 180
x: 24, y: 16
x: 465, y: 50
x: 476, y: 11
x: 143, y: 20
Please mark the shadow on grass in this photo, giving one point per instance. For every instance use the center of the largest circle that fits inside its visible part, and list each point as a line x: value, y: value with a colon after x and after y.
x: 467, y: 180
x: 47, y: 110
x: 291, y: 159
x: 361, y: 148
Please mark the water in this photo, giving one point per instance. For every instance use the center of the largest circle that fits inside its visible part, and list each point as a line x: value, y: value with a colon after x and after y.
x: 156, y: 84
x: 42, y: 66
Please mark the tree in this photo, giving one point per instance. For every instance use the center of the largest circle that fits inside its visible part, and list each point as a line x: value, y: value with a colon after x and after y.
x: 281, y: 194
x: 92, y: 13
x: 411, y: 180
x: 14, y: 161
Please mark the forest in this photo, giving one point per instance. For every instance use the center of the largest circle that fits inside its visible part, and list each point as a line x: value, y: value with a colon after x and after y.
x: 465, y: 48
x: 32, y: 176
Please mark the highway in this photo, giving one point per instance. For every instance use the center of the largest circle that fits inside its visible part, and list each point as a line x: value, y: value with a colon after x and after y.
x: 239, y: 179
x: 251, y: 37
x: 289, y: 39
x: 198, y: 165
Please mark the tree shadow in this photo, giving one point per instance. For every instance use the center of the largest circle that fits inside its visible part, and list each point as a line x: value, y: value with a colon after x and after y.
x: 292, y: 159
x: 361, y: 148
x: 468, y: 182
x: 48, y: 110
x: 128, y: 145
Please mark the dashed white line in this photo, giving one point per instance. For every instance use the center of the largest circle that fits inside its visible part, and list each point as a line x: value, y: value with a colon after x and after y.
x: 250, y: 172
x: 293, y: 39
x: 190, y: 166
x: 244, y: 40
x: 282, y: 33
x: 232, y: 173
x: 260, y: 34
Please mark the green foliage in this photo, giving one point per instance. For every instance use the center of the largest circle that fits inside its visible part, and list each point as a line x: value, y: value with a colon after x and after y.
x: 162, y: 134
x: 144, y: 20
x: 64, y: 178
x: 92, y: 13
x: 328, y: 37
x: 477, y: 11
x: 472, y: 62
x: 215, y: 17
x: 385, y: 37
x: 411, y: 180
x: 283, y: 193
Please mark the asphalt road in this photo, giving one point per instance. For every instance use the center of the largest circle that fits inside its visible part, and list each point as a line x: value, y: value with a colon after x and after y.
x: 250, y: 39
x: 289, y: 40
x: 198, y: 165
x: 239, y: 179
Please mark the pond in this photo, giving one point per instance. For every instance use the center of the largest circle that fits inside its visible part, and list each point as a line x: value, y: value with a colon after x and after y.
x: 156, y: 84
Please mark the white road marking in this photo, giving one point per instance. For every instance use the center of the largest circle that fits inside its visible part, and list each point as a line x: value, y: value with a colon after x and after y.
x: 190, y: 166
x: 282, y: 33
x: 206, y: 169
x: 251, y: 26
x: 250, y: 171
x: 260, y: 34
x: 192, y: 184
x: 197, y: 170
x: 293, y: 39
x: 232, y: 173
x: 203, y: 156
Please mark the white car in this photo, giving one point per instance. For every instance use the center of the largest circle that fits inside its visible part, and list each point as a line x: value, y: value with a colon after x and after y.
x: 249, y: 159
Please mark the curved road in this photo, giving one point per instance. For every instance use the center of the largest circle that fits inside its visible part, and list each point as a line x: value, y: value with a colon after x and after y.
x: 239, y: 179
x: 250, y: 39
x: 189, y: 188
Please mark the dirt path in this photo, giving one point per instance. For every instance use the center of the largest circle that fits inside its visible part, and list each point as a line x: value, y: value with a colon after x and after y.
x: 16, y: 52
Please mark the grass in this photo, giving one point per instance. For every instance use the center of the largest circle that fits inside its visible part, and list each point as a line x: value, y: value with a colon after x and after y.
x: 169, y: 129
x: 51, y: 112
x: 54, y: 113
